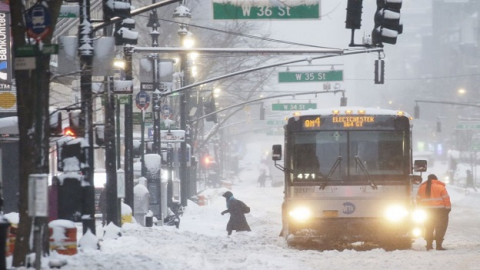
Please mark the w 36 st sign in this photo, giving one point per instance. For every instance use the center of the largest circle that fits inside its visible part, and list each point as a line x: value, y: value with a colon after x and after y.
x: 260, y: 9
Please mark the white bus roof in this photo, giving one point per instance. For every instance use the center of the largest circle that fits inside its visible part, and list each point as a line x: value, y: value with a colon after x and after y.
x: 349, y: 110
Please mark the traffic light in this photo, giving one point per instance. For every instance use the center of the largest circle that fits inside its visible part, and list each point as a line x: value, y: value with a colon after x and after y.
x: 69, y: 155
x: 416, y: 111
x: 354, y: 14
x: 439, y: 126
x: 206, y: 161
x: 56, y: 123
x: 262, y: 112
x: 387, y: 22
x: 74, y: 122
x: 68, y: 131
x: 100, y: 134
x: 379, y: 71
x: 124, y: 33
x: 209, y: 107
x: 343, y: 101
x: 117, y: 8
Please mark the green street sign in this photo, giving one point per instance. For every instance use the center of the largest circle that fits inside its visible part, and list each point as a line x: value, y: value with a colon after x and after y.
x: 124, y: 99
x: 29, y: 50
x: 293, y: 106
x: 471, y: 125
x: 310, y: 76
x: 275, y: 122
x: 253, y: 10
x: 25, y: 51
x: 137, y: 118
x: 50, y: 49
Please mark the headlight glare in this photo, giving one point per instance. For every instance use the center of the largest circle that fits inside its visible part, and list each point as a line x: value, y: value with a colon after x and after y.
x: 419, y: 216
x: 396, y: 213
x: 417, y: 232
x: 300, y: 214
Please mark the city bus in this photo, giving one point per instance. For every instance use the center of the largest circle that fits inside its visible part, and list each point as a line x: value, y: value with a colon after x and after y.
x: 349, y: 178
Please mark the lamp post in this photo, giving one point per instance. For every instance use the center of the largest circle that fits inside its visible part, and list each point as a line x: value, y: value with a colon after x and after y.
x: 156, y: 145
x: 85, y: 39
x: 182, y: 16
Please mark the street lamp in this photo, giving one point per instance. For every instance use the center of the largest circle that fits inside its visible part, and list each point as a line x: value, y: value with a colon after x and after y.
x: 461, y: 91
x: 182, y: 16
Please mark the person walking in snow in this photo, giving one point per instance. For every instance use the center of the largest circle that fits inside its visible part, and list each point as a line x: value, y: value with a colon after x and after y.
x: 469, y: 182
x: 432, y: 195
x: 237, y: 210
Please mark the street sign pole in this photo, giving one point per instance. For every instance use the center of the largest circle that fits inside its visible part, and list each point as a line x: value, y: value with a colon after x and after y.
x: 113, y: 204
x: 128, y: 132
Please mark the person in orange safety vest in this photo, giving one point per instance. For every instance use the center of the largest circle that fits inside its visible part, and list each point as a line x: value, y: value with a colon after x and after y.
x: 432, y: 195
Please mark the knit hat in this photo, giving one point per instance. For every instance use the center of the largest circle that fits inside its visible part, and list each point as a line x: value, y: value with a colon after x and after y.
x: 227, y: 194
x: 432, y: 177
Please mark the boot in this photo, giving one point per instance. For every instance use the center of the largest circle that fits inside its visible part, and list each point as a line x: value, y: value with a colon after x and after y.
x: 429, y: 245
x: 439, y: 245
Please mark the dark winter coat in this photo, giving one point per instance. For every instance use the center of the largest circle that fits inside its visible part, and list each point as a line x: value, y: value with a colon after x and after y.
x: 237, y: 210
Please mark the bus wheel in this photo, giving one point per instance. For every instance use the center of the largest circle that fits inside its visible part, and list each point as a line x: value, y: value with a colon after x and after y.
x: 397, y: 243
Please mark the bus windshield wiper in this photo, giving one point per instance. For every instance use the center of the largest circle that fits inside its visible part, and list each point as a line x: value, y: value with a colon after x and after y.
x: 359, y: 162
x: 330, y: 173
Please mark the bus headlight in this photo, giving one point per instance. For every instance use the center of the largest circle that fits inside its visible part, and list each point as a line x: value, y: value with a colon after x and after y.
x: 396, y: 213
x: 419, y: 216
x: 300, y: 214
x: 417, y: 232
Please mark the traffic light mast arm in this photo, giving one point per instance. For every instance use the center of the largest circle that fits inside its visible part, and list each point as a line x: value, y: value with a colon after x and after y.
x: 448, y: 103
x: 133, y: 13
x: 270, y: 97
x: 308, y: 59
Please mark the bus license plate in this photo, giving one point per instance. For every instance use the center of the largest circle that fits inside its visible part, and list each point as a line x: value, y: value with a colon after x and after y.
x: 330, y: 213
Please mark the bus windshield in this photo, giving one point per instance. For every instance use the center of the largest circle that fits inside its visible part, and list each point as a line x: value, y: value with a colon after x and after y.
x: 348, y: 155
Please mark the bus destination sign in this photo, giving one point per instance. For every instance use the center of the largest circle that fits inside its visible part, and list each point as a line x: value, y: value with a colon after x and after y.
x: 314, y: 123
x: 353, y: 121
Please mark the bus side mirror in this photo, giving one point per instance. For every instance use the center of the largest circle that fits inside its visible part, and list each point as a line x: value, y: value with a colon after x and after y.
x: 276, y: 152
x: 416, y: 179
x: 420, y: 165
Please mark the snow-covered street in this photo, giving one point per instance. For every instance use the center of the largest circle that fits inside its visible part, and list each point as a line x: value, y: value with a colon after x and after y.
x: 202, y: 242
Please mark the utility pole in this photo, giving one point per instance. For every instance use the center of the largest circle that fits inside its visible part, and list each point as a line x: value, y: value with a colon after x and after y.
x: 182, y: 15
x: 85, y: 49
x: 113, y: 203
x: 128, y: 160
x: 156, y: 147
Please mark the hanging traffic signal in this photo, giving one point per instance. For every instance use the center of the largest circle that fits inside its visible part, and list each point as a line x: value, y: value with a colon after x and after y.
x: 439, y: 126
x: 56, y: 123
x: 387, y: 22
x: 100, y: 134
x: 69, y: 155
x: 262, y: 112
x: 74, y: 123
x: 343, y: 101
x: 416, y: 111
x: 354, y: 14
x: 209, y: 108
x: 379, y: 71
x: 124, y: 33
x: 68, y: 131
x: 117, y: 8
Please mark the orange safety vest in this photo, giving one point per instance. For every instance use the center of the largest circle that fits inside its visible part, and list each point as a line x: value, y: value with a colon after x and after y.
x: 439, y: 197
